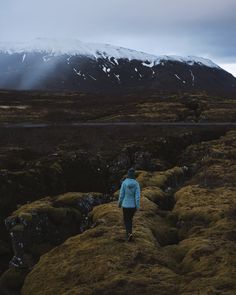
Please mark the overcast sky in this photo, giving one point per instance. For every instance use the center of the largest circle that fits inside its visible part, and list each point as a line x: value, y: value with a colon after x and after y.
x: 184, y: 27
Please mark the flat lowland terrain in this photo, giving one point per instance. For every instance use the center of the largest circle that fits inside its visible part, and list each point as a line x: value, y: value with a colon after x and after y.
x: 41, y: 107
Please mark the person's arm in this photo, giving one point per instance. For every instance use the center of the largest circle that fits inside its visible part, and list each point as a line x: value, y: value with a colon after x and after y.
x: 122, y: 194
x: 137, y: 196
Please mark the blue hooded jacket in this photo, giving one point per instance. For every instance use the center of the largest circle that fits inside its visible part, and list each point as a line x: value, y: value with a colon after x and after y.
x: 129, y: 194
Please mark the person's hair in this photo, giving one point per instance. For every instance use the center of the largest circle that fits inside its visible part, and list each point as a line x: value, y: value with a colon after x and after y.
x: 131, y: 173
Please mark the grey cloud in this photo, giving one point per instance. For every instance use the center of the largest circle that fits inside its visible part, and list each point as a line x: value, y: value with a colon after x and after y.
x: 203, y: 27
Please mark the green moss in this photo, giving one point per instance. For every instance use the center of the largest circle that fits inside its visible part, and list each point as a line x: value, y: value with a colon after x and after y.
x: 154, y: 194
x: 57, y: 208
x: 197, y: 206
x: 72, y: 198
x: 195, y: 218
x: 100, y: 259
x: 33, y: 207
x: 160, y: 179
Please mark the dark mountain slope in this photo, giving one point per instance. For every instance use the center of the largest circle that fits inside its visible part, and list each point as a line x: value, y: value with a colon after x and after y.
x: 98, y: 68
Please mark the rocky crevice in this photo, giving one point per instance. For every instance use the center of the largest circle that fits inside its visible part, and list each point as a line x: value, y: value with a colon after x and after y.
x: 201, y: 218
x: 162, y: 193
x: 174, y: 226
x: 158, y: 201
x: 38, y: 227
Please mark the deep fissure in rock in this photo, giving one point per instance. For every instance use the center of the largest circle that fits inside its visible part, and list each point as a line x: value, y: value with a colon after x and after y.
x: 111, y: 172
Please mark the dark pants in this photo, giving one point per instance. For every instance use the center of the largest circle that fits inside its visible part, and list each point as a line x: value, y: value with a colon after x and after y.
x: 128, y: 214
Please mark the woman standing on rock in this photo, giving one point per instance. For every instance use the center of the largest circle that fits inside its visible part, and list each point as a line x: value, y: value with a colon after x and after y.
x: 129, y: 200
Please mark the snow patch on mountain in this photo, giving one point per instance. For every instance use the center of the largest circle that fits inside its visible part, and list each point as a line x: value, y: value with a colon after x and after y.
x: 77, y: 72
x: 177, y: 77
x: 193, y: 77
x: 54, y: 47
x: 23, y: 58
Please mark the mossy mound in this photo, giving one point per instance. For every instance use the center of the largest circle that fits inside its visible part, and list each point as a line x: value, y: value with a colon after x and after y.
x: 114, y: 259
x: 72, y: 199
x: 206, y: 219
x: 213, y: 162
x: 199, y: 206
x: 154, y: 194
x: 161, y: 179
x: 208, y: 265
x: 37, y: 227
x: 187, y: 250
x: 190, y: 250
x: 164, y: 199
x: 206, y: 226
x: 99, y: 261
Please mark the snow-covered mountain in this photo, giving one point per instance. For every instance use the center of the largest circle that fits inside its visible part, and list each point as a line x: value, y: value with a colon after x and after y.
x: 70, y: 47
x: 48, y: 64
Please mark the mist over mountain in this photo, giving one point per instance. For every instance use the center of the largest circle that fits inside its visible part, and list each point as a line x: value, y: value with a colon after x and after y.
x: 71, y: 65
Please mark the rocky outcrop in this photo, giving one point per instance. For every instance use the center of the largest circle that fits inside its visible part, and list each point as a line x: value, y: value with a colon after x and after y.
x: 185, y: 248
x: 38, y: 227
x: 104, y: 245
x: 212, y: 162
x: 28, y: 175
x: 50, y: 175
x: 207, y: 234
x: 64, y: 171
x: 186, y: 225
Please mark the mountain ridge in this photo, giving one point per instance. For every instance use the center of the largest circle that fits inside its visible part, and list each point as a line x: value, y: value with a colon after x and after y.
x: 105, y: 68
x: 96, y: 50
